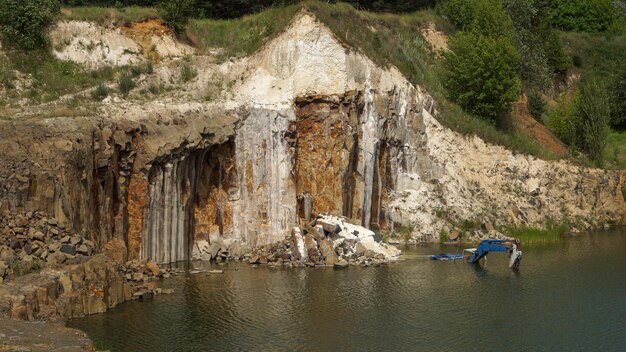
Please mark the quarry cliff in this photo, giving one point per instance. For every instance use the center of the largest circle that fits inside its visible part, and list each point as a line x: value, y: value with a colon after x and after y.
x: 247, y: 149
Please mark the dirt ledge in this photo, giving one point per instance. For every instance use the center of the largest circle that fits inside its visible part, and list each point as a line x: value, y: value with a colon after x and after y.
x: 41, y: 336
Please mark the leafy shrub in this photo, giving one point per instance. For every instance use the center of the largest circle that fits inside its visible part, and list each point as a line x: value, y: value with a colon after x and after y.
x: 24, y: 21
x: 624, y: 192
x: 176, y: 13
x: 100, y: 92
x: 125, y: 83
x: 481, y: 74
x: 560, y: 120
x: 187, y: 73
x: 582, y: 15
x: 537, y: 105
x: 592, y: 113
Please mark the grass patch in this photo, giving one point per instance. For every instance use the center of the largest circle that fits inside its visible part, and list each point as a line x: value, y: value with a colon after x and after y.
x: 615, y: 151
x: 552, y: 232
x: 52, y: 78
x: 404, y: 232
x: 187, y: 73
x: 598, y: 55
x: 239, y: 37
x: 125, y: 83
x: 125, y: 15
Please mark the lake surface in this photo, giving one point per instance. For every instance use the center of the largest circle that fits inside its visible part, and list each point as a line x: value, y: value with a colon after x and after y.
x: 566, y: 297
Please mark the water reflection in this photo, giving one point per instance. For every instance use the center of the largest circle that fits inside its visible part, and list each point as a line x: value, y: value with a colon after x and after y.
x: 567, y: 296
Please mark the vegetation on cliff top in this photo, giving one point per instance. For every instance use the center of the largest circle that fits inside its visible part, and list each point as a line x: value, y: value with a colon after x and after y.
x: 517, y: 37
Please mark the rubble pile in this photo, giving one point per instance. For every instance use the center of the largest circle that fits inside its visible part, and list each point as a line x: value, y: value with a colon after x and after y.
x: 327, y: 241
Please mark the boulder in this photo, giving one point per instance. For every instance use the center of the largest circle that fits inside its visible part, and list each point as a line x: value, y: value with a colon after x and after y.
x: 299, y: 251
x: 371, y: 248
x: 215, y: 247
x: 138, y: 276
x: 235, y: 248
x: 83, y: 249
x: 344, y: 230
x: 329, y: 224
x: 328, y: 252
x: 68, y: 249
x: 7, y: 254
x: 3, y: 269
x: 342, y: 263
x: 317, y: 232
x: 153, y: 268
x: 115, y: 249
x: 199, y: 248
x: 38, y: 235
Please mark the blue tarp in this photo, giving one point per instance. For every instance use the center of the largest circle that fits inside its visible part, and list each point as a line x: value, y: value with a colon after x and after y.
x: 446, y: 256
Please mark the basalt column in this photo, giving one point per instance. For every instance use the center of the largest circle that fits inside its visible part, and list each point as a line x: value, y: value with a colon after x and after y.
x: 187, y: 200
x: 168, y: 218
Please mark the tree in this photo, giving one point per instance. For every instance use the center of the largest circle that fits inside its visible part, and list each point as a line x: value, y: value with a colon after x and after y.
x: 486, y: 17
x: 592, y: 113
x: 176, y: 13
x: 618, y: 100
x: 481, y: 74
x: 24, y: 21
x: 581, y: 15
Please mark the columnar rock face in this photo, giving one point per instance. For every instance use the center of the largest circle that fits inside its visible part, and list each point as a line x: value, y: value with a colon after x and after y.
x: 308, y: 127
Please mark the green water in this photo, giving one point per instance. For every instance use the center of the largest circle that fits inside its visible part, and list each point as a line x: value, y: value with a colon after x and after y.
x: 566, y: 297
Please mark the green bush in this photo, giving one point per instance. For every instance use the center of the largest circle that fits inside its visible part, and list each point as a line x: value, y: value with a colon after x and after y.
x: 176, y: 13
x: 23, y: 22
x: 481, y: 74
x: 560, y: 120
x: 624, y: 192
x: 125, y: 83
x: 537, y: 105
x: 136, y: 71
x: 582, y: 15
x: 618, y: 100
x: 100, y: 92
x: 149, y: 68
x: 592, y: 113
